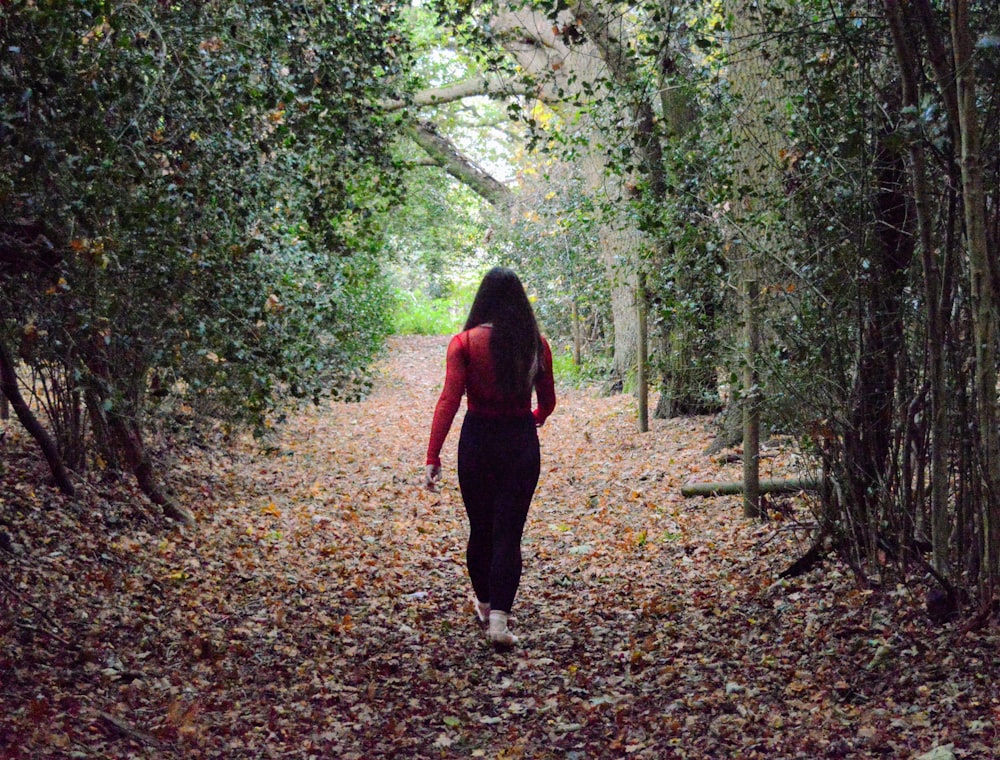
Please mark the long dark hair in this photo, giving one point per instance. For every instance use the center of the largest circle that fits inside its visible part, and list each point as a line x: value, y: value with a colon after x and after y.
x: 515, y: 343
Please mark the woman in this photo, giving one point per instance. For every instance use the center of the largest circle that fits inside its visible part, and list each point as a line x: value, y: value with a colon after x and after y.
x: 496, y: 361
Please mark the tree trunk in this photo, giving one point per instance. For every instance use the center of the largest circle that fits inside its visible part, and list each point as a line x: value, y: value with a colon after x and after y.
x: 125, y: 436
x: 867, y: 436
x: 757, y: 142
x: 935, y: 290
x: 129, y: 440
x: 642, y: 381
x: 11, y: 392
x: 603, y: 29
x: 751, y: 407
x: 984, y: 288
x: 616, y: 247
x: 688, y: 357
x: 581, y: 71
x: 577, y: 335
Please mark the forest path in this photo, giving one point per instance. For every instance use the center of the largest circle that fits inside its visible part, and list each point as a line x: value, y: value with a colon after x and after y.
x: 319, y: 609
x: 630, y: 593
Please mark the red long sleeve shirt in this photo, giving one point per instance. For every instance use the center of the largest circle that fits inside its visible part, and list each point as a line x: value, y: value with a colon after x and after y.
x: 470, y: 372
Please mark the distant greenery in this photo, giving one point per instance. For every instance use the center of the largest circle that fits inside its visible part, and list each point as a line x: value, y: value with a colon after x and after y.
x: 417, y: 313
x: 565, y: 369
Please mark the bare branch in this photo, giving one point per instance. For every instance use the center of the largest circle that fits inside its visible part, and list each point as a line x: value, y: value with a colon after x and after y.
x: 443, y: 151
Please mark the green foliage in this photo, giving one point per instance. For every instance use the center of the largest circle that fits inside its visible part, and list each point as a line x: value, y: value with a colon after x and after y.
x: 209, y: 181
x: 592, y: 369
x: 767, y: 140
x: 435, y: 233
x: 564, y: 368
x: 418, y: 314
x: 825, y: 218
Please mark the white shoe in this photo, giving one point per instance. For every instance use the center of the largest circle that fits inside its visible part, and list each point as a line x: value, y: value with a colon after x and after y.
x: 482, y: 610
x: 499, y: 633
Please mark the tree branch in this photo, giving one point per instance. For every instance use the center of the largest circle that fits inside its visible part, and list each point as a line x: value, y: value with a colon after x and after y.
x: 448, y: 157
x: 9, y: 388
x: 488, y: 84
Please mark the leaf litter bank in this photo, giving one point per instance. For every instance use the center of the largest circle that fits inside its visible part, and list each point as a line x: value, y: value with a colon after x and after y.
x: 320, y: 608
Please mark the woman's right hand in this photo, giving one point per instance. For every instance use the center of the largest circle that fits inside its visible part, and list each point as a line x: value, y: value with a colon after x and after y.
x: 433, y: 476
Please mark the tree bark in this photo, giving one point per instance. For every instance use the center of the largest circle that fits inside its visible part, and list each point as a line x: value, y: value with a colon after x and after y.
x: 580, y: 72
x: 756, y: 140
x: 11, y: 391
x: 577, y: 334
x: 617, y: 244
x: 623, y: 71
x: 601, y: 32
x: 126, y: 437
x: 642, y: 381
x: 688, y: 354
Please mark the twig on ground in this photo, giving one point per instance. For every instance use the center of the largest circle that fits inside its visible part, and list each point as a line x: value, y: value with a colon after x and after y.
x: 42, y: 613
x: 125, y: 728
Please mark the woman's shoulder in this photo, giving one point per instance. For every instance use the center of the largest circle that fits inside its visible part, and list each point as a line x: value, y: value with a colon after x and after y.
x: 466, y: 335
x: 463, y: 340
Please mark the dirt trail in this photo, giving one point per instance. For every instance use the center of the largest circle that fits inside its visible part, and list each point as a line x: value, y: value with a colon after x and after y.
x: 320, y: 609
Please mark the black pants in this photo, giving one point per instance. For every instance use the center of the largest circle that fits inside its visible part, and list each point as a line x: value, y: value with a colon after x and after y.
x: 498, y: 467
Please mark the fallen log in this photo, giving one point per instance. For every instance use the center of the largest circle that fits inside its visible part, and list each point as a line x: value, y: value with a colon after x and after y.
x: 728, y: 488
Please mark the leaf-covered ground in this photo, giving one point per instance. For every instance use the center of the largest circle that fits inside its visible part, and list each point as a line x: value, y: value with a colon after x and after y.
x: 320, y: 608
